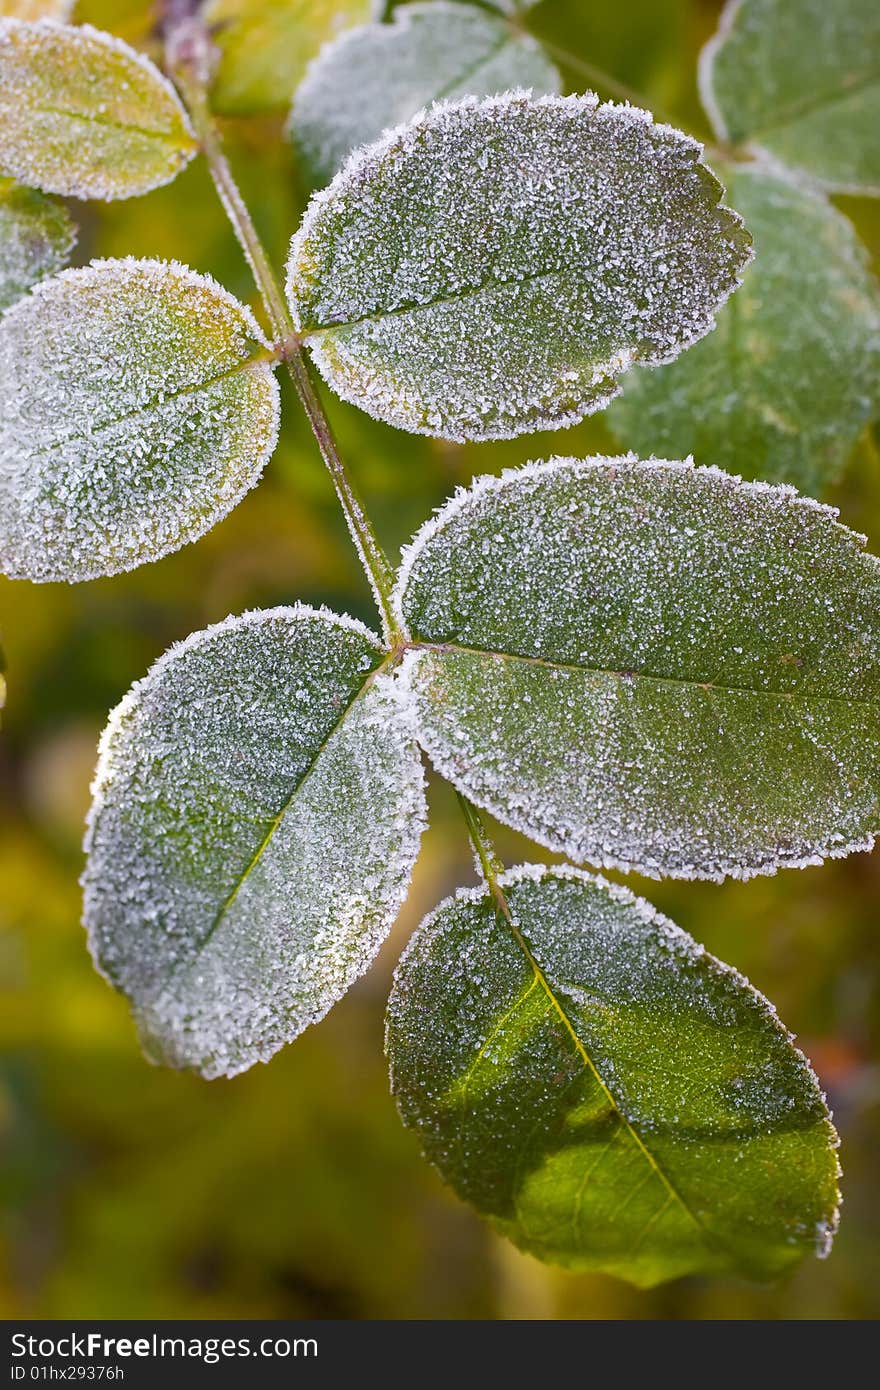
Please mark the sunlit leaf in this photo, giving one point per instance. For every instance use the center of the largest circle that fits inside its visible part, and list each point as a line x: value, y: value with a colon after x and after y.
x: 607, y: 1093
x: 649, y: 665
x: 800, y: 79
x: 494, y: 266
x: 84, y: 115
x: 380, y: 75
x: 266, y: 46
x: 791, y: 375
x: 36, y: 238
x: 258, y: 807
x: 136, y: 409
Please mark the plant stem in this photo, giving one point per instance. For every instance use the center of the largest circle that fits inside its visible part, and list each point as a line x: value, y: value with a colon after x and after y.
x: 490, y: 863
x: 189, y: 56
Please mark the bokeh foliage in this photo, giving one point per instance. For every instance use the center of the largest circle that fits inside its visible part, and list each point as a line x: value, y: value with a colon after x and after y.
x: 293, y: 1191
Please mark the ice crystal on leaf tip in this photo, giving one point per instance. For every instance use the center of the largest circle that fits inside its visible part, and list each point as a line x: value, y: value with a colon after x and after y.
x: 36, y: 238
x: 493, y: 266
x: 258, y: 807
x: 85, y: 115
x: 374, y: 77
x: 609, y: 1095
x: 135, y: 412
x: 650, y: 665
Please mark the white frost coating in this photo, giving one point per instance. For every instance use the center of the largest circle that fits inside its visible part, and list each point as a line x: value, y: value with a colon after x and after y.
x: 493, y: 266
x: 36, y: 239
x: 650, y: 666
x: 85, y: 115
x: 135, y: 413
x: 375, y: 77
x: 258, y: 807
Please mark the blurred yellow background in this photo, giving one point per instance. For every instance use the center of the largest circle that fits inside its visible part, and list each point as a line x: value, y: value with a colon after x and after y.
x: 293, y: 1191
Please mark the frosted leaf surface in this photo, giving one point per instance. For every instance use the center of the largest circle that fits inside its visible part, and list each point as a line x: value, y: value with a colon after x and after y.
x: 649, y: 665
x: 791, y: 375
x: 608, y: 1094
x: 60, y: 10
x: 800, y: 81
x: 135, y: 412
x: 265, y: 47
x: 84, y: 115
x: 380, y: 75
x: 36, y: 238
x: 493, y: 267
x: 257, y: 812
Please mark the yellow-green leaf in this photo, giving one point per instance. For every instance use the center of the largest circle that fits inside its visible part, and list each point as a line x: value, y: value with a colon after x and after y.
x: 84, y: 115
x: 266, y: 45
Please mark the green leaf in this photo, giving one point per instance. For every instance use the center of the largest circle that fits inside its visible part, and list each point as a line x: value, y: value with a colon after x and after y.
x: 800, y: 80
x: 266, y: 46
x: 36, y: 238
x: 257, y: 812
x: 494, y: 266
x: 652, y: 666
x: 136, y: 410
x: 785, y: 384
x: 84, y: 115
x: 380, y: 75
x: 607, y: 1093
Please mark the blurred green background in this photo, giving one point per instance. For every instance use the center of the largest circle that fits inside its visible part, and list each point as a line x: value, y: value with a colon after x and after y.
x: 293, y: 1191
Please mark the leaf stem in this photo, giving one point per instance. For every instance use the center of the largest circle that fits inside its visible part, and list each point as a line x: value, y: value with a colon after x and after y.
x: 189, y: 57
x: 489, y: 860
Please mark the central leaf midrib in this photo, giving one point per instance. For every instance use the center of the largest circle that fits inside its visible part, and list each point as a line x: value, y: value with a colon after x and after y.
x: 473, y: 291
x: 455, y: 648
x: 274, y: 825
x: 165, y: 137
x: 146, y: 408
x: 589, y: 1065
x: 792, y: 113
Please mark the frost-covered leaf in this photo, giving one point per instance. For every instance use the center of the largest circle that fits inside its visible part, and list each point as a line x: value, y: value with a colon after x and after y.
x: 607, y: 1093
x: 266, y: 45
x: 36, y: 238
x: 60, y: 10
x: 136, y: 410
x: 800, y: 80
x: 257, y: 811
x: 650, y: 665
x: 84, y: 115
x: 380, y: 75
x: 791, y: 374
x: 493, y: 267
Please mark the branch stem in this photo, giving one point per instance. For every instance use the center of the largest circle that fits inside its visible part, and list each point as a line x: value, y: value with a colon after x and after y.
x: 189, y: 57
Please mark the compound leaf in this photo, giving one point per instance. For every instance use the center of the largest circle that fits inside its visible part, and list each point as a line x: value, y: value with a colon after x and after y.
x: 785, y: 384
x: 36, y: 239
x: 258, y: 807
x: 379, y: 75
x: 493, y: 267
x: 608, y: 1094
x: 85, y: 115
x: 800, y: 80
x: 266, y: 45
x: 136, y: 409
x: 649, y: 665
